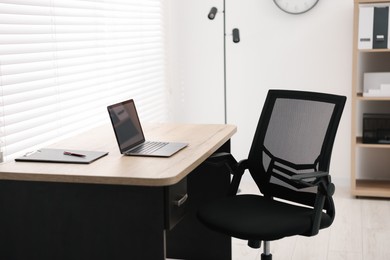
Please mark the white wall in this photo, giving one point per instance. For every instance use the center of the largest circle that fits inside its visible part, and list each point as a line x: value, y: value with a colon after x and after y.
x: 195, y: 62
x: 312, y: 51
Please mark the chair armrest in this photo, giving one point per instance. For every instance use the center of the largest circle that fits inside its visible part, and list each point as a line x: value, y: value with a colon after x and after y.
x: 237, y: 175
x: 235, y: 168
x: 223, y: 159
x: 309, y: 175
x: 325, y: 192
x: 320, y: 179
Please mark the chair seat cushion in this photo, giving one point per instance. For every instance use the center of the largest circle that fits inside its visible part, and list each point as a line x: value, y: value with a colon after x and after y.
x: 254, y: 217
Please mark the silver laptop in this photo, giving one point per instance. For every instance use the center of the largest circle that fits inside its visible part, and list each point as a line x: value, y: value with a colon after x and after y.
x: 129, y: 134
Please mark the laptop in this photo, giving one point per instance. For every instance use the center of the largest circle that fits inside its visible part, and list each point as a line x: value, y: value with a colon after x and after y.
x: 129, y: 134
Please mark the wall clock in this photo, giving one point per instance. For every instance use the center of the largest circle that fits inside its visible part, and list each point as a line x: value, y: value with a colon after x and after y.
x: 295, y: 6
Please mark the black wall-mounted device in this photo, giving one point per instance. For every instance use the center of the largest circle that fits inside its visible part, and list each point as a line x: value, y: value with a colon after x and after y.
x: 236, y: 35
x: 212, y: 13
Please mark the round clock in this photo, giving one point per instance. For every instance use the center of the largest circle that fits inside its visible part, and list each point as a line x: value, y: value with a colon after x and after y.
x: 295, y: 6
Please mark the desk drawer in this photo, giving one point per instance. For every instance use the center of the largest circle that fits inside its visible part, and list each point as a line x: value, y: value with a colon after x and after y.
x: 176, y: 200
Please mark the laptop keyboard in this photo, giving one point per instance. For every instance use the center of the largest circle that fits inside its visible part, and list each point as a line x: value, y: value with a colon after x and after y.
x: 148, y: 147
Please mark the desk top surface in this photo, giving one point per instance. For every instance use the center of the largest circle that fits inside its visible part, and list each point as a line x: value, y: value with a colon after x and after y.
x: 127, y: 170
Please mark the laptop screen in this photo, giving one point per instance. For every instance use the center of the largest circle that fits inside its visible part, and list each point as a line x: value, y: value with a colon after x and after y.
x: 126, y: 124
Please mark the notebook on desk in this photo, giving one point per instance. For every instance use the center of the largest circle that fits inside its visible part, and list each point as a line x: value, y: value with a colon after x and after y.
x: 130, y: 136
x: 61, y: 156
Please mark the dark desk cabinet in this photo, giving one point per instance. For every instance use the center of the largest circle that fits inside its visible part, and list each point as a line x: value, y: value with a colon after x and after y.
x: 41, y: 220
x: 189, y: 239
x: 68, y: 221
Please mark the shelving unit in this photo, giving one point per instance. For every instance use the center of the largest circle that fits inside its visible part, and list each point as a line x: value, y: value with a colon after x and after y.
x: 370, y: 163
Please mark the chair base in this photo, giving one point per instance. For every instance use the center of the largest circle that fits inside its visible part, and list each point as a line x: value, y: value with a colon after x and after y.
x: 266, y: 257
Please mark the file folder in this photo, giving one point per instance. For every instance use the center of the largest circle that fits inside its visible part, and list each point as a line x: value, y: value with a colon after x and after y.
x: 62, y: 156
x: 366, y: 25
x: 381, y: 25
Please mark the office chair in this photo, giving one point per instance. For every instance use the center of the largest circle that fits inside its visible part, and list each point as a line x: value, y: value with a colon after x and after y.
x: 289, y: 162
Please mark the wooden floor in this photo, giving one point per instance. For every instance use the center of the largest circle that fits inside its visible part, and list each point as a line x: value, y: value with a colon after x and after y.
x: 361, y: 231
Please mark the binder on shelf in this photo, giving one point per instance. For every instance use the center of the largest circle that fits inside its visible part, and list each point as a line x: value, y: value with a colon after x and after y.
x: 366, y: 25
x: 381, y: 26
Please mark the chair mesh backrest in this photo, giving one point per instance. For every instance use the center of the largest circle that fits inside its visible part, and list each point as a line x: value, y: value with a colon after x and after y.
x: 295, y: 135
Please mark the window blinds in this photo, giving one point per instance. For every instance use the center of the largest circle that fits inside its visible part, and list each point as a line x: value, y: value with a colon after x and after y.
x: 63, y: 61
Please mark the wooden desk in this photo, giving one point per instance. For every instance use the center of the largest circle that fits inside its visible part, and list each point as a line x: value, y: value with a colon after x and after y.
x: 118, y: 207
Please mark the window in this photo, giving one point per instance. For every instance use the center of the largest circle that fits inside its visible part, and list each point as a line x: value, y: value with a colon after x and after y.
x: 63, y: 61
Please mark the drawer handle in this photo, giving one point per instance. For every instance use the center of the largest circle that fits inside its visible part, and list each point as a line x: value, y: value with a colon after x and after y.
x: 181, y: 201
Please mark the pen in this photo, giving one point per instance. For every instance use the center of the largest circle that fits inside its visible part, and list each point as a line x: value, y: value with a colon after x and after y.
x: 74, y: 154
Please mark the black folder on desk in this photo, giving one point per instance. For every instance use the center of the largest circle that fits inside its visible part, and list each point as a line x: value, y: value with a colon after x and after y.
x: 60, y: 156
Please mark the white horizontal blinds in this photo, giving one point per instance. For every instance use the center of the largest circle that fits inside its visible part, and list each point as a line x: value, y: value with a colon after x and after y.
x: 27, y: 68
x: 63, y: 61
